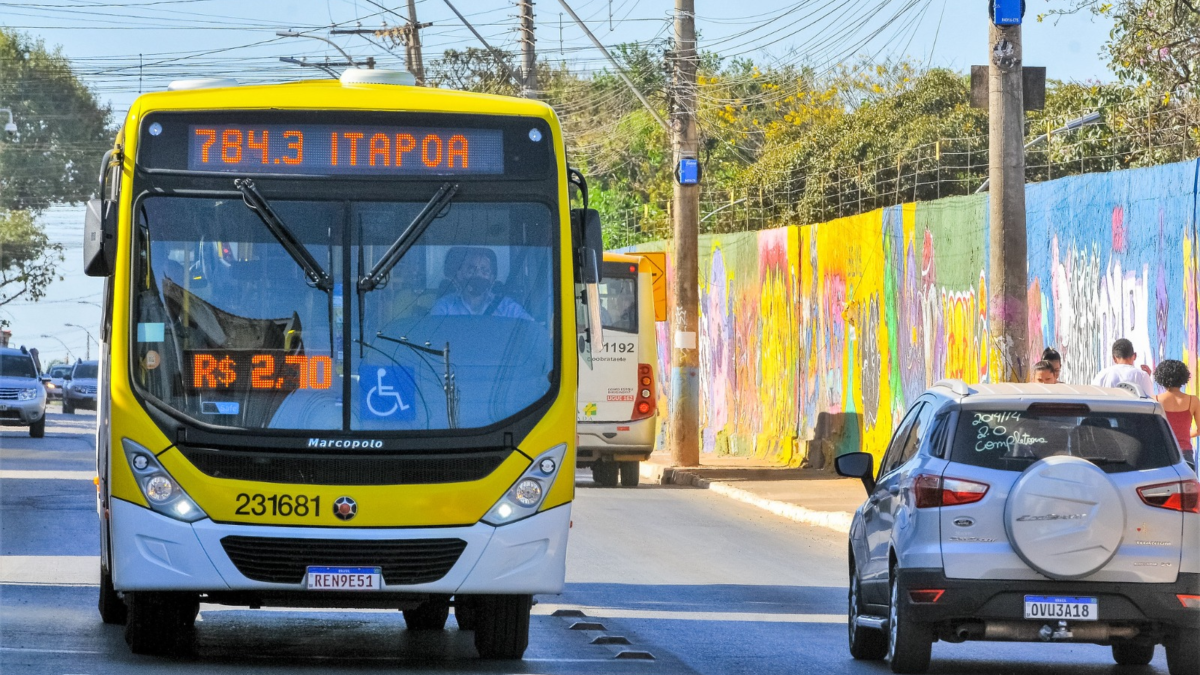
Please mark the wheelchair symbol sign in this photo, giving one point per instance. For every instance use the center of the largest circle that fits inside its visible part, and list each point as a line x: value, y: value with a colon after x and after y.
x: 388, y: 392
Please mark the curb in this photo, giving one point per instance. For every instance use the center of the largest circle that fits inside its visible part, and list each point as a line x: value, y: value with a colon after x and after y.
x: 838, y: 521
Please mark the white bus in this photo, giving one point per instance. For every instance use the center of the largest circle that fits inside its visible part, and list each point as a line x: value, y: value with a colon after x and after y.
x: 617, y: 403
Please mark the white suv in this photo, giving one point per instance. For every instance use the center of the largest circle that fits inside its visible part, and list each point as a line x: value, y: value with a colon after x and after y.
x: 1027, y: 512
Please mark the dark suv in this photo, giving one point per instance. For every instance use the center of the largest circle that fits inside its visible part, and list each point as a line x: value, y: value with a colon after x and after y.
x: 79, y: 390
x: 1027, y: 512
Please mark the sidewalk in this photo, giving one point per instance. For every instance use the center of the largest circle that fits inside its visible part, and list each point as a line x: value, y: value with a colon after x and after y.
x: 806, y: 496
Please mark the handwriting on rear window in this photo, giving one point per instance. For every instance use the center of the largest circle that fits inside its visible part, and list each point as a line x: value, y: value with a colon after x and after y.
x: 992, y: 432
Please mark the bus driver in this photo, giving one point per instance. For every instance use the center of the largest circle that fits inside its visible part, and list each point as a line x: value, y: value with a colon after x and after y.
x: 473, y: 280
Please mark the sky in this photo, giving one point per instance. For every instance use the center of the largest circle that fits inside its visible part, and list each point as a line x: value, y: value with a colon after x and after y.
x: 123, y: 47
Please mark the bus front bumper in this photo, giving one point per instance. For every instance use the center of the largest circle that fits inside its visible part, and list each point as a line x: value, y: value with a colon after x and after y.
x: 153, y: 552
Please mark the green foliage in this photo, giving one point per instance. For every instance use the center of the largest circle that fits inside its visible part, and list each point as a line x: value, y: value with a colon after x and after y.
x: 62, y: 129
x: 1155, y: 43
x: 28, y: 260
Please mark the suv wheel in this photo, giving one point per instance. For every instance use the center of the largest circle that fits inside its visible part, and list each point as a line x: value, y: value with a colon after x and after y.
x: 38, y: 428
x: 866, y: 644
x: 1183, y: 653
x: 160, y: 623
x: 1133, y: 654
x: 910, y: 644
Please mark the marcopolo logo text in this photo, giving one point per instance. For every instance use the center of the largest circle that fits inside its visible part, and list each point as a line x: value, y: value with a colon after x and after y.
x: 348, y: 443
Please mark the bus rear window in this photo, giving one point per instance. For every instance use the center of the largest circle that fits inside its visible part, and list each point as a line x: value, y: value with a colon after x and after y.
x: 1012, y: 440
x: 618, y: 303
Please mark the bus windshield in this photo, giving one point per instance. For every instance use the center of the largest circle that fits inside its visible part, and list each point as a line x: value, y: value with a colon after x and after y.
x: 228, y: 328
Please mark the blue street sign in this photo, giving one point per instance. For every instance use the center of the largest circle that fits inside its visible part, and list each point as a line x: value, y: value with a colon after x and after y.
x: 1008, y: 12
x: 689, y: 171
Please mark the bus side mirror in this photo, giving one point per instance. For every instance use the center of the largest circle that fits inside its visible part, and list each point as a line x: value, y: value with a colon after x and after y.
x: 99, y: 238
x: 588, y: 239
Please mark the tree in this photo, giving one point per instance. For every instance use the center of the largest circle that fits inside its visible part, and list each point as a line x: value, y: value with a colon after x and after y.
x: 62, y: 129
x: 1153, y: 42
x: 28, y: 259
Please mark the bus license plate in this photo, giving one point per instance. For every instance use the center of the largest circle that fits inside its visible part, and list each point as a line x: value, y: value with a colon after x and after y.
x: 344, y: 579
x: 1055, y: 607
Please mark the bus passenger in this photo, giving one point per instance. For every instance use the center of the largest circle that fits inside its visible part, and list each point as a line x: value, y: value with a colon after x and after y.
x: 474, y: 280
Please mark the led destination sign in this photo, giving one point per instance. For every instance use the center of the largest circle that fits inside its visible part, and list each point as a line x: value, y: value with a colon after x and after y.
x: 333, y: 149
x: 242, y: 370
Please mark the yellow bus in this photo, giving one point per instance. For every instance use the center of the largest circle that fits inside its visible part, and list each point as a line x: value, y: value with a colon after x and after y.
x: 339, y: 356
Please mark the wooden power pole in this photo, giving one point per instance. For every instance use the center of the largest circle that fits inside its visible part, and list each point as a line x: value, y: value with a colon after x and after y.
x: 529, y: 83
x: 412, y: 45
x: 684, y: 408
x: 1008, y: 316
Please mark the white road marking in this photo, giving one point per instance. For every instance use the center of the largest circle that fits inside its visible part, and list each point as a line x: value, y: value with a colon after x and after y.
x: 48, y: 475
x: 50, y: 570
x: 47, y: 651
x: 619, y: 613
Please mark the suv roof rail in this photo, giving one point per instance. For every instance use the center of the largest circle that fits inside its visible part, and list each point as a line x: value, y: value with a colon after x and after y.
x: 957, y: 386
x: 1133, y: 389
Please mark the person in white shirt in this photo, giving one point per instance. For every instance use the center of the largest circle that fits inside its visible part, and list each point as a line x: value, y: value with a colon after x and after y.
x: 1123, y: 370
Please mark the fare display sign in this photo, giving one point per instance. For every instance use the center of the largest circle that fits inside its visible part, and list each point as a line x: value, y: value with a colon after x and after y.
x: 336, y: 149
x: 246, y: 370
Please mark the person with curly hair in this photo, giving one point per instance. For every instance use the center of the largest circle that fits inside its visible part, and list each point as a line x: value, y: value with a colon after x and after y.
x: 1182, y: 409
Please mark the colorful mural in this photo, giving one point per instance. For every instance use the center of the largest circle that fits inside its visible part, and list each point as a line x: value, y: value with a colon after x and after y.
x: 814, y: 339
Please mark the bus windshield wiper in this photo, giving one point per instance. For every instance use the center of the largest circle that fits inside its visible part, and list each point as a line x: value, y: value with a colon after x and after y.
x: 371, y: 280
x: 449, y: 386
x: 259, y: 204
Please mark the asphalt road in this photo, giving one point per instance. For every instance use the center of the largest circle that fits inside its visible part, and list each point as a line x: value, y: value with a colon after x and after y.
x: 701, y: 583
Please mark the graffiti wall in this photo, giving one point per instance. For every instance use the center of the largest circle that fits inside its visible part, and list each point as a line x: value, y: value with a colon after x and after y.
x: 814, y: 339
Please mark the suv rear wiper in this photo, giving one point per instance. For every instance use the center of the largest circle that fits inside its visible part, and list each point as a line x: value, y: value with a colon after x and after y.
x: 371, y: 280
x: 258, y: 204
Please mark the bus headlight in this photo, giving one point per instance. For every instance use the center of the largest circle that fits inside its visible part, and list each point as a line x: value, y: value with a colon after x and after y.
x: 162, y: 492
x: 525, y: 496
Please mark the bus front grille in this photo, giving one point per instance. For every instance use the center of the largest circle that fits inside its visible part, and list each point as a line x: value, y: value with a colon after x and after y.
x: 286, y: 561
x: 346, y: 469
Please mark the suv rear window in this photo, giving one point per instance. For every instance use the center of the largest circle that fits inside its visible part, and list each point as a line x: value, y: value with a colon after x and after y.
x: 85, y: 371
x: 1012, y: 440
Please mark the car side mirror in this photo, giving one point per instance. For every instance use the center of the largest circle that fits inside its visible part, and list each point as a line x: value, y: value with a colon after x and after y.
x: 859, y: 465
x: 66, y: 376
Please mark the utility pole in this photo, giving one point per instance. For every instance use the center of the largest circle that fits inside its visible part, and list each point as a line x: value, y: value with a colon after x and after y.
x: 529, y: 83
x: 684, y: 409
x: 1008, y: 316
x: 412, y: 45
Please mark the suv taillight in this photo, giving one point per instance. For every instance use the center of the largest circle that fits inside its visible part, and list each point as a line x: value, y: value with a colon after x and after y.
x: 643, y: 403
x: 1182, y: 496
x: 931, y: 491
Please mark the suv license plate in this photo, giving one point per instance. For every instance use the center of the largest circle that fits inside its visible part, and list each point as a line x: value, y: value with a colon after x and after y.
x: 344, y: 579
x: 1055, y: 607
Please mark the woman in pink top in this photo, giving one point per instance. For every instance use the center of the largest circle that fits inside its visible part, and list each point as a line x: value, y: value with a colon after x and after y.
x: 1182, y: 409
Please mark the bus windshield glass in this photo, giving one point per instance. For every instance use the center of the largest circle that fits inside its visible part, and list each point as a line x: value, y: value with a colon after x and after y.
x: 231, y: 330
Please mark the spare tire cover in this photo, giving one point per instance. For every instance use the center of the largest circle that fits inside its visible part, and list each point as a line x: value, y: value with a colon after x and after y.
x: 1064, y: 517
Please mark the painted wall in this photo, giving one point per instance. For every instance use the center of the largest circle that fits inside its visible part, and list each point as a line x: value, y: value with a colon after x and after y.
x: 814, y: 339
